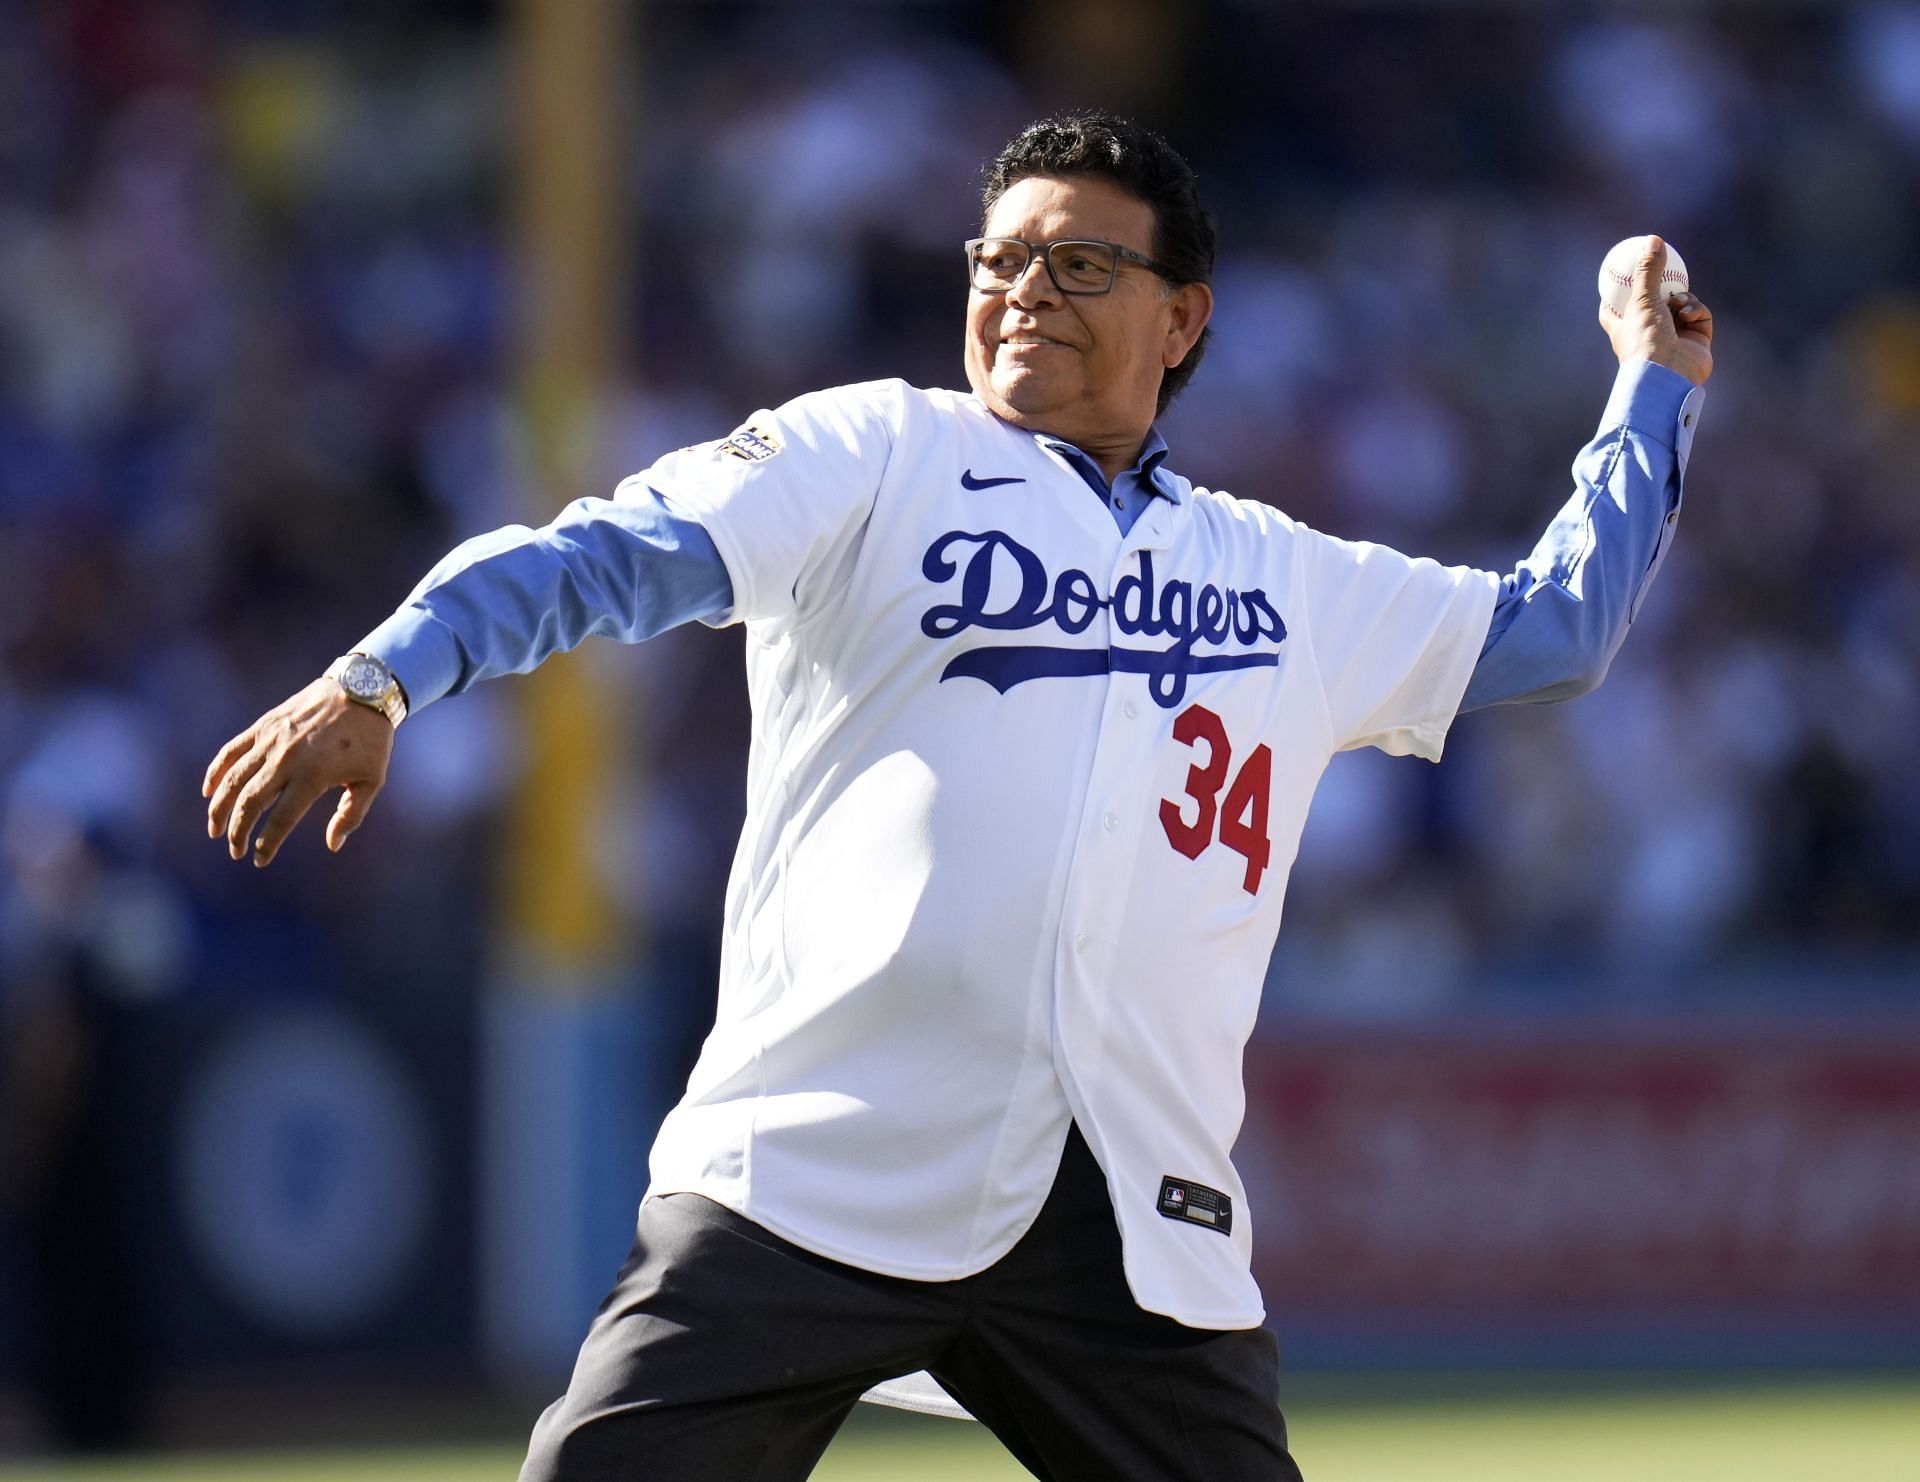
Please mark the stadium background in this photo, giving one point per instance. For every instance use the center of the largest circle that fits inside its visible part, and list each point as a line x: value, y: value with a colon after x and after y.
x: 1597, y: 1047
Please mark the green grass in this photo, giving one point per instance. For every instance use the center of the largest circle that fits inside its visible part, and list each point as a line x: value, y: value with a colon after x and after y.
x: 1843, y: 1433
x: 1849, y: 1432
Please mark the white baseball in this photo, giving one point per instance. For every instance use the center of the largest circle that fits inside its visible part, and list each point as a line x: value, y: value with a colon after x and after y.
x: 1616, y: 274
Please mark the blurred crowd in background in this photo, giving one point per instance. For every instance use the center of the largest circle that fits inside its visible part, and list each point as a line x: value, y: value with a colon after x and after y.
x: 256, y: 375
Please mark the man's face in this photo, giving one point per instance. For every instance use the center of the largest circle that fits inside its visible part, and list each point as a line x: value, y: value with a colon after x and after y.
x: 1083, y: 367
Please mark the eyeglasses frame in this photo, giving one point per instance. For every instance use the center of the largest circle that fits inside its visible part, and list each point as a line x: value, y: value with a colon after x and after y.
x: 1044, y: 250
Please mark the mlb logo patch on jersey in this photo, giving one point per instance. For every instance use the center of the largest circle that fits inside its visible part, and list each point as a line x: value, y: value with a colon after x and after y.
x: 1183, y: 1199
x: 751, y: 445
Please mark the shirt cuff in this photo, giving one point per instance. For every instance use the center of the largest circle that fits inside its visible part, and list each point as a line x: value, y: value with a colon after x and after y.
x: 1658, y: 403
x: 422, y: 653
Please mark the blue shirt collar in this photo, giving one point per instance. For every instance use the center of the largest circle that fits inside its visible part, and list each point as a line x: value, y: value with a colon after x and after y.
x: 1146, y: 468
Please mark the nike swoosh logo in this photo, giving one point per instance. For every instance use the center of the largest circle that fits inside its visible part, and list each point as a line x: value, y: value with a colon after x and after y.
x: 968, y: 481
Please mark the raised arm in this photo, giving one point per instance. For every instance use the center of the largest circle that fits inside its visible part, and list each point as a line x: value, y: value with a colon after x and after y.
x: 498, y: 604
x: 1563, y: 613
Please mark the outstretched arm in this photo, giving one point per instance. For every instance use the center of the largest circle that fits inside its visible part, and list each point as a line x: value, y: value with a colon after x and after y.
x: 784, y: 498
x: 497, y: 604
x: 1563, y: 613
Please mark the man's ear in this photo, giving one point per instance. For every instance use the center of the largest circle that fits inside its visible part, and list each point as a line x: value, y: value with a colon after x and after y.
x: 1192, y: 306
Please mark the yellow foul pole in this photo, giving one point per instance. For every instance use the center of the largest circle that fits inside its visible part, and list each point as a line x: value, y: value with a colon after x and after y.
x: 558, y: 1182
x: 570, y: 236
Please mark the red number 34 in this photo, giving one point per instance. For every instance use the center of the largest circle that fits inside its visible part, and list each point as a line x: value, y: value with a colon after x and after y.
x: 1242, y: 815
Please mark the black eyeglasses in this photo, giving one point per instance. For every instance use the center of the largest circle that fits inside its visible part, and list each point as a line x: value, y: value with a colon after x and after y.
x: 995, y: 264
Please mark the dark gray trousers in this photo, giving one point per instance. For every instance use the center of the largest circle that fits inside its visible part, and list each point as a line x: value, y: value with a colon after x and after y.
x: 727, y: 1354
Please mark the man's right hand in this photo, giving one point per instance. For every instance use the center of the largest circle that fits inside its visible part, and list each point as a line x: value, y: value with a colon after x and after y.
x: 288, y: 760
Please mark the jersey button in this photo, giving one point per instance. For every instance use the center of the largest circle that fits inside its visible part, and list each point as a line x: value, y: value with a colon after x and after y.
x: 1112, y: 822
x: 1132, y: 710
x: 1080, y: 942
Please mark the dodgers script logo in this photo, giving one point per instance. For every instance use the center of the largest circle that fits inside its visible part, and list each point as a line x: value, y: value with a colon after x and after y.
x: 1141, y: 607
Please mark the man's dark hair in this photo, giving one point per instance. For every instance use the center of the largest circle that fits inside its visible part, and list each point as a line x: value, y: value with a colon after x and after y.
x: 1104, y: 146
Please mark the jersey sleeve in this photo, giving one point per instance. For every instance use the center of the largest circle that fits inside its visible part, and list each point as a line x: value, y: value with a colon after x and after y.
x: 1395, y: 638
x: 786, y: 497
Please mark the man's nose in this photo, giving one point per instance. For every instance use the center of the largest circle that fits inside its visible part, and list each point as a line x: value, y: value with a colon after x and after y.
x: 1034, y: 286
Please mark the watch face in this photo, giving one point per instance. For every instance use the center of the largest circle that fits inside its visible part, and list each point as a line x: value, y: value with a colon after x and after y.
x: 364, y: 678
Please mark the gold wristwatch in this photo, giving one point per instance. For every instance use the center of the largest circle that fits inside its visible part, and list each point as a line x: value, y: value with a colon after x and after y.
x: 368, y: 681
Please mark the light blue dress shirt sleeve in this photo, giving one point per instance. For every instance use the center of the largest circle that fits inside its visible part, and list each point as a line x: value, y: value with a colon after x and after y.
x: 501, y: 603
x: 1563, y: 613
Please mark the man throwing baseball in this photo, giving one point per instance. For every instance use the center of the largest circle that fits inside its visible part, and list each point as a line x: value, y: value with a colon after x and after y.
x: 1036, y: 721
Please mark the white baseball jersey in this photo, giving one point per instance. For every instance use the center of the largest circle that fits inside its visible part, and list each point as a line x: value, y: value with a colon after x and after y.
x: 1023, y: 797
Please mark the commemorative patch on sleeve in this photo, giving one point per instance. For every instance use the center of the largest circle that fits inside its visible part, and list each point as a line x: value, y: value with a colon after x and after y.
x: 751, y: 444
x: 1183, y: 1199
